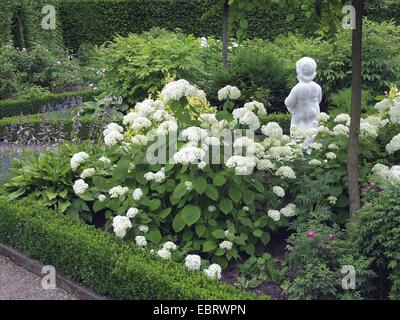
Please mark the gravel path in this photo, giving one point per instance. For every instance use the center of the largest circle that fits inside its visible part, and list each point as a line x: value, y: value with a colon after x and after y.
x: 16, y: 283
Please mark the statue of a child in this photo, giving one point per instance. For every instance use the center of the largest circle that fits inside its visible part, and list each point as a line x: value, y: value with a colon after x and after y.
x: 304, y: 99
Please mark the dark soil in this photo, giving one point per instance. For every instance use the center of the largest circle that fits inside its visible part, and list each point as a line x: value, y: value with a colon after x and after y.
x: 276, y: 247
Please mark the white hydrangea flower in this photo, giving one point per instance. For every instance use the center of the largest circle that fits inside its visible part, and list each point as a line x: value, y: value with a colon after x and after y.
x: 368, y: 130
x: 113, y: 138
x: 113, y: 127
x: 393, y: 145
x: 194, y: 134
x: 242, y: 165
x: 80, y: 187
x: 274, y: 215
x: 272, y: 130
x: 229, y: 92
x: 214, y: 271
x: 137, y: 194
x: 315, y: 146
x: 265, y: 164
x: 246, y: 117
x: 246, y: 208
x: 280, y: 152
x: 286, y: 172
x: 118, y: 191
x: 159, y: 176
x: 149, y: 176
x: 377, y: 168
x: 189, y: 154
x: 120, y: 225
x: 164, y: 254
x: 141, y: 241
x: 170, y: 246
x: 188, y: 185
x: 330, y: 156
x: 343, y: 118
x: 166, y: 127
x: 139, y: 139
x: 394, y: 114
x: 143, y: 228
x: 212, y: 208
x: 332, y: 200
x: 77, y: 159
x: 256, y: 106
x: 207, y: 120
x: 383, y: 105
x: 87, y: 173
x: 132, y: 213
x: 314, y: 162
x: 193, y: 262
x: 212, y: 141
x: 102, y: 198
x: 323, y: 130
x: 175, y: 90
x: 202, y: 165
x: 323, y: 117
x: 340, y: 130
x: 333, y: 146
x: 279, y: 191
x: 289, y: 210
x: 105, y: 160
x: 226, y: 245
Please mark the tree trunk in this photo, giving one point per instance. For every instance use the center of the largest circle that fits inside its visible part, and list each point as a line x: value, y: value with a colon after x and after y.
x: 225, y: 35
x: 353, y: 148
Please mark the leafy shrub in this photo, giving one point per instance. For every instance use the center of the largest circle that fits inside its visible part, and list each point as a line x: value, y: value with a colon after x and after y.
x: 139, y: 66
x: 106, y: 264
x: 8, y: 80
x: 317, y: 253
x: 376, y: 234
x: 341, y: 101
x: 259, y: 74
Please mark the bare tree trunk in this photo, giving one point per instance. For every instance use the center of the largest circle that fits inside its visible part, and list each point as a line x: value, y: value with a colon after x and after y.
x: 225, y: 35
x: 353, y: 148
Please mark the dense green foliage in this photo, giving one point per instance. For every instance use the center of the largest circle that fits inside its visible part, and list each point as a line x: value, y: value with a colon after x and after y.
x: 107, y: 265
x: 138, y: 66
x: 376, y: 233
x: 36, y: 72
x: 21, y: 22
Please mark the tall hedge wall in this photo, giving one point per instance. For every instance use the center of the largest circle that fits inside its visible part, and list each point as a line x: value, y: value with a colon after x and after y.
x: 97, y: 21
x: 28, y: 15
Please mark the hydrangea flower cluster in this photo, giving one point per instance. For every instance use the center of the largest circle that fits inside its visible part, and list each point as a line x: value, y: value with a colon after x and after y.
x: 229, y: 92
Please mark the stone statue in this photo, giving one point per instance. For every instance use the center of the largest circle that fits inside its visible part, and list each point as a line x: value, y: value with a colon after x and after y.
x: 303, y: 101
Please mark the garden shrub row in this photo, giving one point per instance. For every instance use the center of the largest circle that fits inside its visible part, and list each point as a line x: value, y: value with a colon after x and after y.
x: 21, y: 22
x: 10, y: 108
x: 106, y: 264
x: 97, y: 21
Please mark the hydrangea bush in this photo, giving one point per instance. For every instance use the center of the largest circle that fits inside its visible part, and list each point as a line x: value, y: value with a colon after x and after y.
x: 203, y: 187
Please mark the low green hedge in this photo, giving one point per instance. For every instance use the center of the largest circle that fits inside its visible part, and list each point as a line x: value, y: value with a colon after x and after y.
x: 9, y: 108
x: 101, y: 261
x: 56, y: 127
x: 88, y: 126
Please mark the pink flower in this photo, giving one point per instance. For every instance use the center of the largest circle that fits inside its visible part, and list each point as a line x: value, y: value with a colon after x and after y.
x: 331, y: 236
x: 289, y: 248
x: 310, y: 234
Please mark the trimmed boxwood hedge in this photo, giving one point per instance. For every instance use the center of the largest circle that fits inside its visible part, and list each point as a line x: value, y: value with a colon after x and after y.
x: 10, y: 108
x: 30, y: 21
x: 101, y: 261
x: 97, y: 21
x: 87, y: 124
